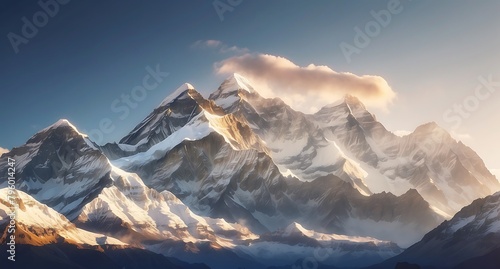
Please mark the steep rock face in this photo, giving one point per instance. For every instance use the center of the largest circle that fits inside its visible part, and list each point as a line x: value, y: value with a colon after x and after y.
x: 173, y: 113
x: 473, y: 232
x: 59, y: 167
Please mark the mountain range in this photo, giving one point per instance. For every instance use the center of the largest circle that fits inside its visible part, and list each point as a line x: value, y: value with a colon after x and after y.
x: 238, y: 180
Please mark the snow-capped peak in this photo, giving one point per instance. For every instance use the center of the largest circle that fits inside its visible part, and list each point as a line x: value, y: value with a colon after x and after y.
x: 294, y: 228
x: 180, y: 91
x: 431, y: 128
x: 349, y: 101
x: 62, y: 123
x: 297, y: 229
x: 235, y: 82
x: 231, y: 90
x: 241, y: 82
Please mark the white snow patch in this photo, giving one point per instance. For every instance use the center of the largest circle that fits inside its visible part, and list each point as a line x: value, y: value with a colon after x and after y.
x: 288, y: 173
x: 61, y: 123
x: 227, y: 102
x: 333, y: 237
x: 237, y: 82
x: 194, y: 130
x: 441, y: 212
x: 460, y: 224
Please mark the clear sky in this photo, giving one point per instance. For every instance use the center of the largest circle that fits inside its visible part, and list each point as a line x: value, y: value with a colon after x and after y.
x: 432, y: 60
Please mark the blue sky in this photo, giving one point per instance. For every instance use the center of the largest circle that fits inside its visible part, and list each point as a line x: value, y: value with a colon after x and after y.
x: 90, y: 53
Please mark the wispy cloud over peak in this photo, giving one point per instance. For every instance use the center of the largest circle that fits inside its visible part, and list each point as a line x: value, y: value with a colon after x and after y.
x: 306, y: 88
x: 218, y: 45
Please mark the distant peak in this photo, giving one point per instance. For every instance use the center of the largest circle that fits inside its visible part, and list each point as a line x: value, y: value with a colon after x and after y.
x: 348, y: 100
x: 61, y: 123
x: 229, y: 92
x: 353, y: 100
x: 431, y: 124
x: 187, y: 86
x: 294, y: 228
x: 177, y: 93
x: 237, y: 82
x: 428, y: 127
x: 412, y: 192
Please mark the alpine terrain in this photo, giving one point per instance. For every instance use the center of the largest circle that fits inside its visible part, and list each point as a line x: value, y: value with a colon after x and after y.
x: 236, y: 180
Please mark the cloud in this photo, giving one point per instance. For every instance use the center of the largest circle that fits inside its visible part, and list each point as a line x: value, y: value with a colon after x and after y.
x: 2, y: 150
x: 218, y: 45
x: 306, y: 88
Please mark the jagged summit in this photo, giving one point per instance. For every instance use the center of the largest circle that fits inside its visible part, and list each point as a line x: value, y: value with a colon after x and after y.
x: 174, y: 111
x: 472, y: 232
x: 294, y: 228
x: 231, y: 85
x: 182, y: 90
x: 352, y: 100
x: 431, y: 128
x: 349, y: 101
x: 237, y: 82
x: 231, y: 91
x: 61, y: 123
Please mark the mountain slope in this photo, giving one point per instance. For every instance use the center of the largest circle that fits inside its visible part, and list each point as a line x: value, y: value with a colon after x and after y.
x: 42, y: 225
x: 448, y: 174
x: 59, y: 167
x: 285, y: 245
x: 132, y: 211
x: 474, y: 231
